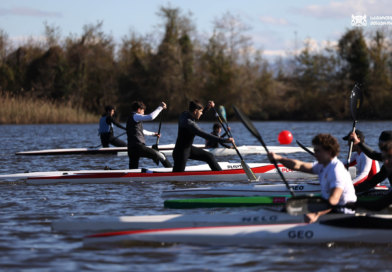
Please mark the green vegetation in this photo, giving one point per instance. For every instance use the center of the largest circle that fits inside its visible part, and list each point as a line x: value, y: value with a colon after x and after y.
x: 91, y: 71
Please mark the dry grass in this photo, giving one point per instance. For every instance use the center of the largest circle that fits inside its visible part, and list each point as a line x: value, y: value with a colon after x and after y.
x: 28, y: 110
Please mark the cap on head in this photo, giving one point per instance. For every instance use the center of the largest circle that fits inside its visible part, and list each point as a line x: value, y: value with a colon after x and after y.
x: 385, y: 136
x: 109, y: 108
x: 359, y: 133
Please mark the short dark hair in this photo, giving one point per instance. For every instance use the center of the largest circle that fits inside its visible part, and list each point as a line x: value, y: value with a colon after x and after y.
x: 138, y: 105
x: 386, y: 146
x: 109, y: 108
x: 195, y: 105
x: 327, y: 142
x: 216, y: 125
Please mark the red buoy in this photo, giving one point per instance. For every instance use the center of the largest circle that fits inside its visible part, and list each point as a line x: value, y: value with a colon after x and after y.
x: 285, y: 137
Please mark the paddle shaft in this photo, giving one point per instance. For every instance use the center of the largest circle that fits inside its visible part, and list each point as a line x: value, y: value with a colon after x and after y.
x: 304, y: 148
x: 220, y: 121
x: 277, y: 167
x: 159, y: 129
x: 112, y: 140
x: 351, y: 146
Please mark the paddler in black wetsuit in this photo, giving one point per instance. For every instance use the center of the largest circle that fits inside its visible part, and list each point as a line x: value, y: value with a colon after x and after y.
x: 187, y: 130
x: 385, y: 144
x: 216, y: 130
x: 106, y: 129
x: 136, y: 142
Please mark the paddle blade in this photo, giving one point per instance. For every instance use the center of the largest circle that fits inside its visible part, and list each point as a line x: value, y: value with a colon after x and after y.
x: 356, y: 101
x: 248, y: 124
x: 222, y: 112
x: 155, y: 147
x: 249, y: 173
x: 306, y: 204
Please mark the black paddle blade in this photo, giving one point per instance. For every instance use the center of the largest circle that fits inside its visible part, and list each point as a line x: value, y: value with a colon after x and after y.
x: 356, y: 101
x: 155, y: 147
x: 248, y: 124
x: 305, y: 148
x: 306, y: 204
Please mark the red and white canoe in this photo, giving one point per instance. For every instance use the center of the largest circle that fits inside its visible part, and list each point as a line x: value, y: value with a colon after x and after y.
x: 233, y: 172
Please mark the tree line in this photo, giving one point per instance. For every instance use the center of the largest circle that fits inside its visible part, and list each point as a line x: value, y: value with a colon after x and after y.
x: 91, y: 71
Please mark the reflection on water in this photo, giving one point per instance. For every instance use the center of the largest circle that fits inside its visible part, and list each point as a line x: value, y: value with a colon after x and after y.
x: 27, y: 242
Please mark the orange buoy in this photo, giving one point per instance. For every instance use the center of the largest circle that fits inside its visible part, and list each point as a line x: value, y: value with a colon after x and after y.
x: 285, y: 137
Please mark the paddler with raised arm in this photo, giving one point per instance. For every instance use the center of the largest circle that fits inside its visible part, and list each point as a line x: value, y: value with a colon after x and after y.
x: 335, y: 180
x: 187, y: 130
x: 216, y: 130
x: 106, y: 128
x: 136, y: 142
x: 366, y: 167
x: 384, y: 173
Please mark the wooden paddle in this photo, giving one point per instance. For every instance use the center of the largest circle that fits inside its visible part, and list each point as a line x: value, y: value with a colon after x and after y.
x: 249, y: 173
x: 356, y: 101
x: 249, y: 125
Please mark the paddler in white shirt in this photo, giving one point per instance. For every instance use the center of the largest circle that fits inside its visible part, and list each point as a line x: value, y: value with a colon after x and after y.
x: 335, y: 180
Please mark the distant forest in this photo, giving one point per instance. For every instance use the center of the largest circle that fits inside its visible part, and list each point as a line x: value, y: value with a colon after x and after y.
x: 177, y: 64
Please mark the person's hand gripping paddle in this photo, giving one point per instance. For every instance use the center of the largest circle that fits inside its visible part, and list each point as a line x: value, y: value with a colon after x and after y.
x: 356, y: 101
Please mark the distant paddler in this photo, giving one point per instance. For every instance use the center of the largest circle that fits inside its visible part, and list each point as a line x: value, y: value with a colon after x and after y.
x: 136, y: 142
x: 366, y: 167
x: 106, y: 129
x: 335, y: 180
x: 187, y: 130
x: 216, y: 130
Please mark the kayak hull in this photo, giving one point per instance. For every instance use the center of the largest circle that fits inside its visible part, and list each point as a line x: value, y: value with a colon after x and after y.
x: 262, y: 216
x: 250, y: 235
x: 249, y: 201
x: 166, y: 149
x: 234, y: 172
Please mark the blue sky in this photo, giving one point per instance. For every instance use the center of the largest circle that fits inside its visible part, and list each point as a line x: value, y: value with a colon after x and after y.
x: 273, y: 23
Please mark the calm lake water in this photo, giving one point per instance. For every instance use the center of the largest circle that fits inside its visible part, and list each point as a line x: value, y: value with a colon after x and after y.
x: 27, y: 242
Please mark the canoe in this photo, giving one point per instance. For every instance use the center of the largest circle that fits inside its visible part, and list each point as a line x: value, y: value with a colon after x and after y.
x: 89, y: 151
x: 233, y: 172
x: 249, y: 190
x: 201, y: 167
x: 166, y: 149
x: 249, y: 201
x: 375, y: 229
x: 263, y: 216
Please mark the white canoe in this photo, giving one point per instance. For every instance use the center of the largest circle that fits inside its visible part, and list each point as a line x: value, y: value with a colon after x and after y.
x: 367, y: 229
x: 234, y: 172
x: 91, y: 151
x: 244, y: 150
x: 262, y: 216
x: 166, y: 149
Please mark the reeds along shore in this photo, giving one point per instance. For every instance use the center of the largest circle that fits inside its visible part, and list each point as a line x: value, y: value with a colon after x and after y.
x: 27, y: 110
x: 178, y: 64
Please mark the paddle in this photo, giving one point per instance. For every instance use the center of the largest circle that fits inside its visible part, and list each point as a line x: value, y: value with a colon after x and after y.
x: 305, y: 204
x: 249, y: 125
x: 155, y: 146
x: 112, y: 140
x: 305, y: 148
x: 222, y: 112
x: 356, y: 101
x: 249, y: 173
